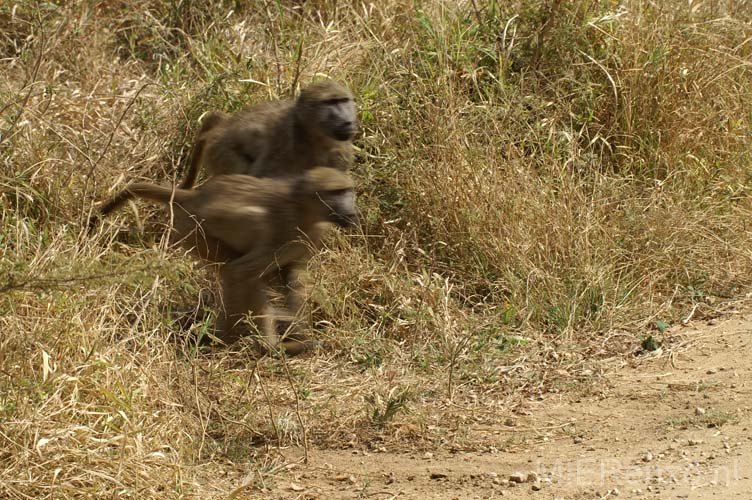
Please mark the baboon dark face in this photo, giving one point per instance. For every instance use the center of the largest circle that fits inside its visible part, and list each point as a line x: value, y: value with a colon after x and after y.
x: 331, y: 194
x: 340, y: 118
x: 332, y: 107
x: 340, y: 207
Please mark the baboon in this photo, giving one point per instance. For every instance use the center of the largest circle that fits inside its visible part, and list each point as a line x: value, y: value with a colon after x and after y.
x: 280, y: 138
x: 256, y: 227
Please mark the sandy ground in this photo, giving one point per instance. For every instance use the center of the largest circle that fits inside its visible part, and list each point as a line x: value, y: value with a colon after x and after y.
x: 675, y: 425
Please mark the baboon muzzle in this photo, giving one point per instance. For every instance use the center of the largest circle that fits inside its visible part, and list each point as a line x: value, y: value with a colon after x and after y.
x: 345, y: 132
x: 346, y: 221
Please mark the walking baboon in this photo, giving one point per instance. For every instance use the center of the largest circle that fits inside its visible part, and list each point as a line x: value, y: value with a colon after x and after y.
x: 279, y: 138
x: 256, y: 227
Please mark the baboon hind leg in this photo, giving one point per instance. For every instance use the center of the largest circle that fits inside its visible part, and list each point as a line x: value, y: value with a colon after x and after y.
x: 244, y: 296
x: 294, y: 290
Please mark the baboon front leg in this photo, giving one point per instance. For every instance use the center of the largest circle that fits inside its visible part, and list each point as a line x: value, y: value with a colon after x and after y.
x: 295, y: 341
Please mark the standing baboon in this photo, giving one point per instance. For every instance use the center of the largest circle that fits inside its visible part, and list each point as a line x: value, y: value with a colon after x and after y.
x: 256, y: 227
x: 281, y: 138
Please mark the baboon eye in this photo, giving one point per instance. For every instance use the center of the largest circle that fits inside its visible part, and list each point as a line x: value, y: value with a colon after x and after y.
x: 337, y: 192
x: 333, y: 102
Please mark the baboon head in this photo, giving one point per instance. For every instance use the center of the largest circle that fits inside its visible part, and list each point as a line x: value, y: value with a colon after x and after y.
x: 331, y: 193
x: 328, y: 108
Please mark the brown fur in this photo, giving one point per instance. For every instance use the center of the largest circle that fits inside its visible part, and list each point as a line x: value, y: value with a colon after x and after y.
x: 280, y: 138
x: 272, y: 139
x: 256, y: 227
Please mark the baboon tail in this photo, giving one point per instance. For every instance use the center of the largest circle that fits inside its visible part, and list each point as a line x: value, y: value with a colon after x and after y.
x: 198, y: 153
x: 138, y: 190
x: 210, y: 121
x: 154, y: 192
x: 111, y: 205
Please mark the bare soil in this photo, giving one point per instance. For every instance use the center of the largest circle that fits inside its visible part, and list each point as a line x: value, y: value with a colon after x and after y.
x: 670, y: 424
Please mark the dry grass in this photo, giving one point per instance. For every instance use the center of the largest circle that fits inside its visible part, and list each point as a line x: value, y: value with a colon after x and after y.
x: 541, y: 182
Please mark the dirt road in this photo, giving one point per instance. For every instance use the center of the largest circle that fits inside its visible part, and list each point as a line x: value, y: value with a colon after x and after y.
x: 672, y: 425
